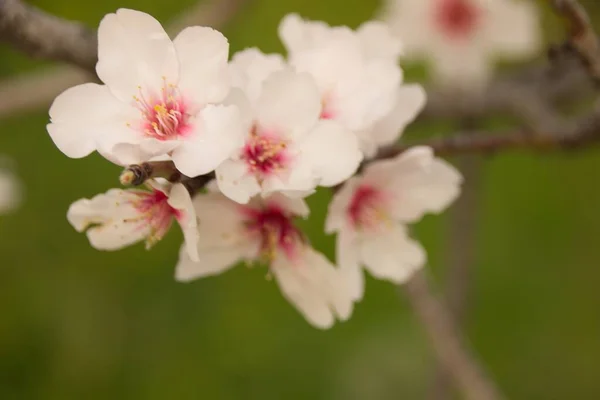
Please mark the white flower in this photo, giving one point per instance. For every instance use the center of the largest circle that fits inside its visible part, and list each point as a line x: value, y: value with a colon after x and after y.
x: 461, y: 36
x: 357, y: 80
x: 160, y: 97
x: 10, y: 192
x: 369, y: 212
x: 263, y: 230
x: 287, y: 146
x: 119, y: 218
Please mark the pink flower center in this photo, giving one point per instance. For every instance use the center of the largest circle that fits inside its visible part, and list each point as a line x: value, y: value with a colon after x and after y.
x: 264, y: 154
x: 164, y: 117
x: 155, y: 213
x: 276, y: 230
x: 368, y: 208
x: 457, y: 18
x: 327, y: 111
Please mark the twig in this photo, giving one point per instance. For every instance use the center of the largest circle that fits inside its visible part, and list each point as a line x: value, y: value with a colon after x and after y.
x: 582, y: 36
x: 37, y: 89
x: 43, y: 35
x: 448, y: 344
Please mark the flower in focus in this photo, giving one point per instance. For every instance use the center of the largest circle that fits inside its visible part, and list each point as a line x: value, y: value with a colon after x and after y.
x: 287, y: 148
x: 119, y: 218
x: 10, y: 192
x: 264, y: 231
x: 160, y: 97
x: 370, y: 211
x: 460, y: 36
x: 358, y: 77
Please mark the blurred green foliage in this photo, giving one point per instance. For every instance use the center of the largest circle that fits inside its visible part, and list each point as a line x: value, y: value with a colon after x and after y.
x: 81, y: 324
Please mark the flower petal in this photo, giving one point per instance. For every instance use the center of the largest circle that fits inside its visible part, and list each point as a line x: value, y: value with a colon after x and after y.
x: 212, y: 261
x: 134, y: 51
x: 218, y: 134
x: 514, y: 28
x: 337, y: 209
x: 378, y: 41
x: 235, y: 182
x: 179, y: 199
x: 203, y: 54
x: 347, y: 252
x: 391, y: 255
x: 250, y: 67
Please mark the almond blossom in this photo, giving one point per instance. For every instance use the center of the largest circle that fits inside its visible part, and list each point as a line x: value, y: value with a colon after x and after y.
x: 119, y: 218
x: 10, y: 192
x: 460, y: 37
x: 160, y: 97
x: 358, y: 77
x: 287, y: 148
x: 264, y: 231
x: 370, y: 211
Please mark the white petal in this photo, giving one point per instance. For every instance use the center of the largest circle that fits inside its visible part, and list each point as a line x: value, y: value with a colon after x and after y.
x: 410, y: 100
x: 313, y: 286
x: 217, y: 136
x: 298, y: 34
x: 179, y: 199
x: 250, y: 67
x: 378, y: 41
x: 290, y: 103
x: 79, y: 115
x: 392, y: 255
x: 203, y: 54
x: 220, y: 221
x: 457, y: 65
x: 513, y: 29
x: 134, y: 50
x: 235, y: 182
x: 212, y: 261
x: 337, y: 209
x: 332, y: 151
x: 347, y: 252
x: 295, y: 206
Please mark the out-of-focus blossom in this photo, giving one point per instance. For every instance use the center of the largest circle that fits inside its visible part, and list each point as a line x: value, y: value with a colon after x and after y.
x: 287, y: 147
x: 462, y: 37
x: 370, y: 211
x: 358, y: 76
x: 160, y: 97
x: 10, y: 191
x: 119, y: 218
x: 264, y: 231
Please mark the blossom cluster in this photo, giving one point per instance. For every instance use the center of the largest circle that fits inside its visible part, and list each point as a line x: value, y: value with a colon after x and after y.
x: 271, y: 129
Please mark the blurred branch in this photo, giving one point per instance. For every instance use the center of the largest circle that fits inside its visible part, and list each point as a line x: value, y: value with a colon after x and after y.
x: 582, y: 37
x: 46, y: 36
x: 37, y: 89
x: 448, y: 344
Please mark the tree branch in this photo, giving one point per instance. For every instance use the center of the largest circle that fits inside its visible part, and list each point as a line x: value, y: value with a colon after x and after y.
x: 448, y: 344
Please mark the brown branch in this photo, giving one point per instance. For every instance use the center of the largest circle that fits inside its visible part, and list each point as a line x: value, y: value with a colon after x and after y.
x: 449, y: 346
x: 37, y: 89
x: 582, y: 37
x: 46, y: 36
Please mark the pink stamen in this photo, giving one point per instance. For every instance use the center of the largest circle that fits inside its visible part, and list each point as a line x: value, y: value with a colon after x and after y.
x: 164, y: 117
x: 457, y: 18
x: 275, y: 229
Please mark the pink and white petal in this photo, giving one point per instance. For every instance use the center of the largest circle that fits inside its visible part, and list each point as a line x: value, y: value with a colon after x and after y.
x: 347, y: 252
x: 179, y: 199
x: 336, y: 219
x: 304, y: 286
x: 203, y: 54
x: 77, y: 116
x: 332, y: 151
x: 218, y: 135
x: 410, y: 100
x: 392, y: 255
x: 250, y: 67
x: 134, y: 51
x: 235, y: 182
x: 513, y: 28
x: 220, y: 221
x: 212, y: 261
x: 378, y: 41
x: 290, y: 103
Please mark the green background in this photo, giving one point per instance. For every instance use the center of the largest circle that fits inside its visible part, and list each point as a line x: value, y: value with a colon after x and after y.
x: 76, y: 323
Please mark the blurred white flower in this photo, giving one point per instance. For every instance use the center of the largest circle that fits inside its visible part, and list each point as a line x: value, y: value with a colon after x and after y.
x: 263, y: 230
x: 370, y: 211
x: 461, y: 37
x: 119, y: 218
x: 10, y: 192
x: 288, y: 148
x: 357, y: 75
x: 160, y: 97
